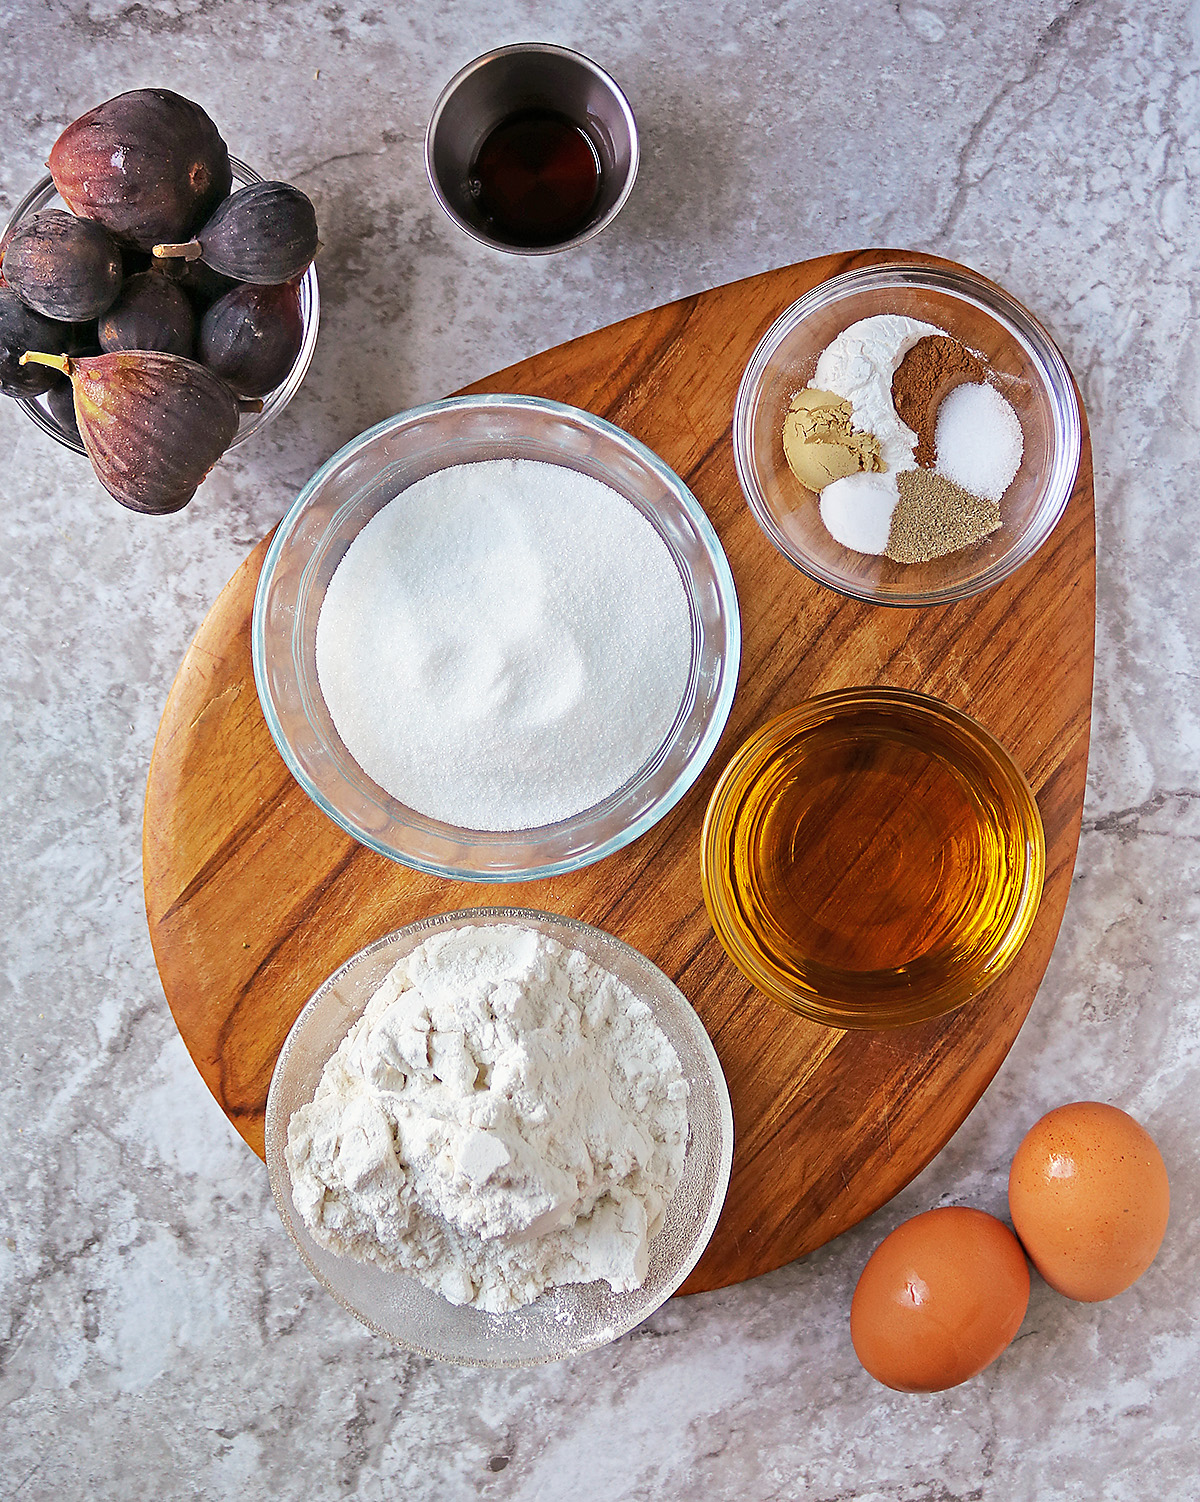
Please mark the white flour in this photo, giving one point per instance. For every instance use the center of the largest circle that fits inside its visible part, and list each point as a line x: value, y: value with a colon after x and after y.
x: 505, y: 1117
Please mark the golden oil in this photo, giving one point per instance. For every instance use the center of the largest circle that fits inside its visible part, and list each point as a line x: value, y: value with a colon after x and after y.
x: 871, y: 858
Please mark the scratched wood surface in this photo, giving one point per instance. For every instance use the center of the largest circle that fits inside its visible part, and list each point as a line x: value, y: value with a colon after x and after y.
x: 254, y: 897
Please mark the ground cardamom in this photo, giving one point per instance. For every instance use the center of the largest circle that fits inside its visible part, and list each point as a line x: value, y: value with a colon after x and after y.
x: 934, y: 517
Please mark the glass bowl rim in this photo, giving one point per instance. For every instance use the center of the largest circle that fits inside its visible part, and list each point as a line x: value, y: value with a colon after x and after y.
x: 284, y: 392
x: 889, y: 1012
x: 277, y: 1170
x: 730, y: 657
x: 966, y: 286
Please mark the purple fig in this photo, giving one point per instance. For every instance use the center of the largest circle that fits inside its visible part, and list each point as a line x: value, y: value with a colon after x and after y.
x: 61, y: 401
x: 148, y: 165
x: 153, y: 424
x: 251, y: 337
x: 21, y: 329
x: 63, y: 267
x: 266, y: 233
x: 151, y: 313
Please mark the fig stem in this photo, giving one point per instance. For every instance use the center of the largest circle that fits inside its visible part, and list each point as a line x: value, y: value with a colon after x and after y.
x: 188, y: 250
x: 55, y: 362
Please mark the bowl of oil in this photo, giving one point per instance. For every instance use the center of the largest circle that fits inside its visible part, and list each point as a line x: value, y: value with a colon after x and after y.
x: 872, y: 858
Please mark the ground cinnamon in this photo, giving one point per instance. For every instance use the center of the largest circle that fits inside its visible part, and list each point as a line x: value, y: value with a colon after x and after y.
x: 927, y: 374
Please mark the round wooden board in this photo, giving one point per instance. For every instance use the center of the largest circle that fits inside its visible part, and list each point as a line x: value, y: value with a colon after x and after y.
x: 254, y: 897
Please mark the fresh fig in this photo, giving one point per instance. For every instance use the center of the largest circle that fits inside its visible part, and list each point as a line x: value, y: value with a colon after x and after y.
x: 21, y: 329
x: 266, y: 233
x: 151, y: 313
x: 153, y: 424
x: 61, y: 401
x: 201, y: 283
x: 63, y: 267
x: 252, y: 335
x: 148, y: 165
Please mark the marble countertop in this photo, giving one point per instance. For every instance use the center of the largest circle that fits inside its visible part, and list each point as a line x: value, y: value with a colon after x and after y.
x: 158, y: 1336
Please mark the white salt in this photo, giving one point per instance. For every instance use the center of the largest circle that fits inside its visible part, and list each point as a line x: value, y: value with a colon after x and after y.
x: 504, y: 644
x: 857, y: 510
x: 979, y: 440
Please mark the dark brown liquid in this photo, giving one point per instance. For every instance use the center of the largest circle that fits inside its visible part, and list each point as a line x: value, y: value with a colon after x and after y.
x: 535, y: 178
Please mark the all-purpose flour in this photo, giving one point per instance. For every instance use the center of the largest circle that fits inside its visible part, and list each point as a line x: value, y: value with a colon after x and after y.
x: 504, y: 644
x: 505, y: 1117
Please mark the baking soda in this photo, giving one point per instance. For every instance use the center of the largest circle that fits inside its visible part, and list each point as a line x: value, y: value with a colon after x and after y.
x: 505, y: 644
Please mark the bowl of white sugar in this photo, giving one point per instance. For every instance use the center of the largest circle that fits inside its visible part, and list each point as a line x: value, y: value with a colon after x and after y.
x: 496, y: 638
x: 907, y: 434
x: 499, y: 1137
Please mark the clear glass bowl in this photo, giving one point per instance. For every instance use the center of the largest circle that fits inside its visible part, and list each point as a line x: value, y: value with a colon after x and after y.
x: 1030, y: 372
x: 872, y: 858
x: 563, y: 1321
x: 44, y: 195
x: 334, y: 507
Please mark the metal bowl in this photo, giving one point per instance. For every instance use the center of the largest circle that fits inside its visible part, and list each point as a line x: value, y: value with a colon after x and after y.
x: 508, y: 82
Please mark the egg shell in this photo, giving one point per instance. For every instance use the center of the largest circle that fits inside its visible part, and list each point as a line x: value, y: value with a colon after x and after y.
x: 939, y: 1299
x: 1089, y: 1197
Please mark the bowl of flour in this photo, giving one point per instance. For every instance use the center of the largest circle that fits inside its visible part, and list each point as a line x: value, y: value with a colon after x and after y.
x: 496, y: 638
x: 499, y: 1137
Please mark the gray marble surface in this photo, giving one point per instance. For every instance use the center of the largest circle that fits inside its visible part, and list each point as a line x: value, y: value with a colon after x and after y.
x: 158, y: 1336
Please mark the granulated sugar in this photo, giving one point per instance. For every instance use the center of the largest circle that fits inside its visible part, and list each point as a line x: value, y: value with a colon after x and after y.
x: 504, y: 644
x: 979, y: 440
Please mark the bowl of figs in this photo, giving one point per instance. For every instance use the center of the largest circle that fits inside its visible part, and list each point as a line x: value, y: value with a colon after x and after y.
x: 158, y: 299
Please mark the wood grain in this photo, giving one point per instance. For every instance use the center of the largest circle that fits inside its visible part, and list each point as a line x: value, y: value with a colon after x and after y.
x: 254, y: 897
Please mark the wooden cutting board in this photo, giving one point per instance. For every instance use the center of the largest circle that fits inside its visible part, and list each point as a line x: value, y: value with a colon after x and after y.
x: 254, y: 897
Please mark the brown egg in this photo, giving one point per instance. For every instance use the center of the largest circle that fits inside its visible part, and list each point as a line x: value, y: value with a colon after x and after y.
x: 939, y: 1299
x: 1089, y: 1197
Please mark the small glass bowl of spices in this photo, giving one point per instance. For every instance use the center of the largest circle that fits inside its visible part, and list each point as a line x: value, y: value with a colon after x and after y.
x: 496, y: 638
x: 907, y: 434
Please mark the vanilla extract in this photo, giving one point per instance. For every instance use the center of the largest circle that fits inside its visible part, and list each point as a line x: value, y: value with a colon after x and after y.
x: 536, y: 178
